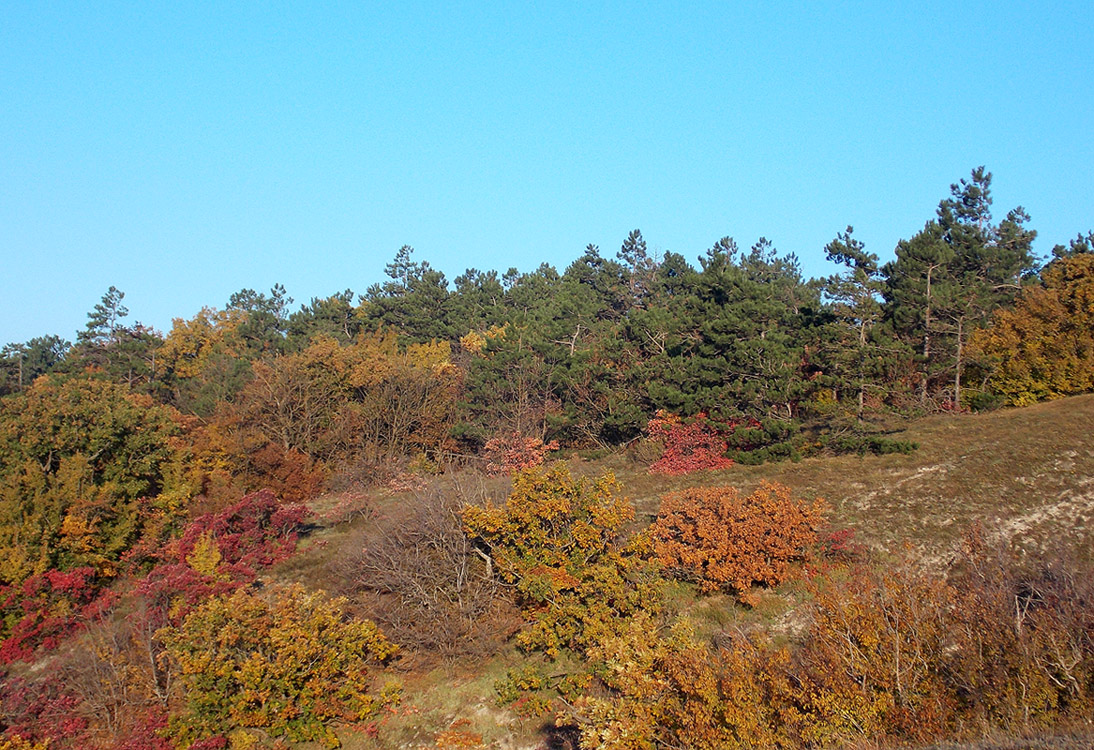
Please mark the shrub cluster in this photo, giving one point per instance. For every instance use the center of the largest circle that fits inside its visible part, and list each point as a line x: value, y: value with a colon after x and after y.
x: 893, y: 654
x: 722, y: 540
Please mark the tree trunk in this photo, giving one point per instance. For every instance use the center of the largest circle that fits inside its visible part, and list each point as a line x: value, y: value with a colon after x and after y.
x: 926, y: 339
x: 957, y: 373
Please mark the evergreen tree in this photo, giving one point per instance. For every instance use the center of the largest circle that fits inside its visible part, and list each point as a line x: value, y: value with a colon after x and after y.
x: 264, y: 320
x: 126, y: 354
x: 946, y: 281
x: 20, y: 364
x: 640, y: 269
x: 334, y: 316
x: 855, y: 297
x: 412, y: 302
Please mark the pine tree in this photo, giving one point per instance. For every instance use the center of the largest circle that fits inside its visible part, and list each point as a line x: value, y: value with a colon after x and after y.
x: 855, y: 296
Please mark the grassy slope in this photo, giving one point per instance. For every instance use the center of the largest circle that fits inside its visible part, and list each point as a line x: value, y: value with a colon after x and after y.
x: 1028, y: 473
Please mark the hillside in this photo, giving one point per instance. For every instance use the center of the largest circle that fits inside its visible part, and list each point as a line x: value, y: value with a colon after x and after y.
x: 1025, y: 473
x: 1028, y: 472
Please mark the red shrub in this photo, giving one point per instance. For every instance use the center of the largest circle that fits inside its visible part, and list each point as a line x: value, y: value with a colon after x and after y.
x: 841, y: 545
x: 254, y: 533
x: 43, y: 609
x: 40, y: 710
x: 687, y: 446
x: 145, y: 734
x: 508, y: 454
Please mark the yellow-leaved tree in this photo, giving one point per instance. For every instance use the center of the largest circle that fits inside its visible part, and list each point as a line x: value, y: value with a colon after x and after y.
x: 1043, y: 347
x: 291, y: 665
x: 560, y: 543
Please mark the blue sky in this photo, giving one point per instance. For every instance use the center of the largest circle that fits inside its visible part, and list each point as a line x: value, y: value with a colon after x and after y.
x: 184, y: 151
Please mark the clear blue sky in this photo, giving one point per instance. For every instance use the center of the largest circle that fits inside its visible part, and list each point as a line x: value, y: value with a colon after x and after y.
x: 183, y: 151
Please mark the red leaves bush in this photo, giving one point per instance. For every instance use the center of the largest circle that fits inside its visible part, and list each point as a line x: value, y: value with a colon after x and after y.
x: 724, y: 541
x: 44, y: 608
x: 508, y: 454
x: 254, y: 533
x: 45, y: 709
x: 689, y: 446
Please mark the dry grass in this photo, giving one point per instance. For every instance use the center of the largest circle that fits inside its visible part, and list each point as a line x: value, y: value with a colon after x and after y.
x: 1029, y: 473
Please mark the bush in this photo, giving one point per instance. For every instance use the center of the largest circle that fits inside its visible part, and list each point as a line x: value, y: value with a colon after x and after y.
x: 44, y: 608
x: 508, y: 454
x: 291, y: 666
x: 1025, y: 633
x: 429, y: 589
x: 559, y: 542
x: 714, y: 536
x: 689, y: 446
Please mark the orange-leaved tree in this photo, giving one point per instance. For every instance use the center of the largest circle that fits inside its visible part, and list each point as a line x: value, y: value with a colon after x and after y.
x: 722, y: 540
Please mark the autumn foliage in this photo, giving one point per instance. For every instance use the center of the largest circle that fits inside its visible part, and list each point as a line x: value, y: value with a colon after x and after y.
x: 687, y: 446
x: 46, y: 607
x: 290, y: 665
x: 508, y: 454
x: 898, y: 654
x: 1043, y: 347
x: 722, y: 540
x: 559, y: 542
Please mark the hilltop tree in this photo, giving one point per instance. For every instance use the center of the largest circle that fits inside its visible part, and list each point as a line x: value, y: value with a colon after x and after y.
x: 334, y: 316
x: 746, y: 322
x: 412, y: 302
x: 640, y: 268
x: 855, y: 297
x: 1078, y: 246
x: 913, y: 282
x: 263, y: 322
x: 21, y: 364
x: 989, y: 261
x: 127, y: 354
x: 478, y: 302
x: 947, y: 280
x: 204, y: 361
x: 104, y: 321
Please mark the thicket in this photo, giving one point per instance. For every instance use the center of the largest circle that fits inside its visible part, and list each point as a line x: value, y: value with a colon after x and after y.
x: 894, y: 653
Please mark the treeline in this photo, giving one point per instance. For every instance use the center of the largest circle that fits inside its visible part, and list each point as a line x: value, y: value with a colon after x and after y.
x: 129, y: 433
x: 589, y: 355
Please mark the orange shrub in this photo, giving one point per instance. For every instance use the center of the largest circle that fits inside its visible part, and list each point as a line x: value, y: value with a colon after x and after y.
x: 725, y: 541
